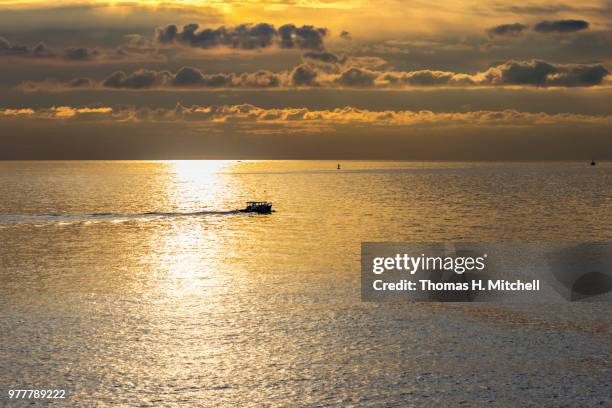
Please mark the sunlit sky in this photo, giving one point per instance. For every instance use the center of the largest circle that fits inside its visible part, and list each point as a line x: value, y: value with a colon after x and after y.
x: 311, y: 79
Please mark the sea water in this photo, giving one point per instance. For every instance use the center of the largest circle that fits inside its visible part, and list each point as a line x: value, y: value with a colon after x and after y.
x: 137, y: 283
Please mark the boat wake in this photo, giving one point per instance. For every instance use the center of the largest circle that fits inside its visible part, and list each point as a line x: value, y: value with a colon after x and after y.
x: 47, y: 218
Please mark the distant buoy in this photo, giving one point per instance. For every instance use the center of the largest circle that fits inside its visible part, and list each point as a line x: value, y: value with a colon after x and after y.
x: 593, y: 163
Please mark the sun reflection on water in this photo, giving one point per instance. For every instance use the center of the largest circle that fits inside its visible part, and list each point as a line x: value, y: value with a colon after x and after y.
x: 198, y: 169
x: 198, y: 185
x: 190, y: 250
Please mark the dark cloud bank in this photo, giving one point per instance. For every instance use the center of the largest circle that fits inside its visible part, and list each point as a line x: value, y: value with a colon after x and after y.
x: 507, y: 30
x: 338, y: 73
x: 543, y: 27
x: 241, y: 37
x: 8, y: 49
x: 41, y: 51
x: 244, y: 36
x: 561, y: 26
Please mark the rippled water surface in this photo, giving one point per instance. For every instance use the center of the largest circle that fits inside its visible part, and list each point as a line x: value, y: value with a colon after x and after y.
x: 137, y: 283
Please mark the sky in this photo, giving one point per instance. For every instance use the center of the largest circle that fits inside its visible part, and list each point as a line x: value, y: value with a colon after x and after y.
x: 293, y: 79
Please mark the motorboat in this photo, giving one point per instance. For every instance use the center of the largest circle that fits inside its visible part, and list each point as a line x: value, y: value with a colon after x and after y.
x: 261, y: 207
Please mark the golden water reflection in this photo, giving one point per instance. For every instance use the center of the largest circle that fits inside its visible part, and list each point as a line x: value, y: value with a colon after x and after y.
x: 189, y: 249
x: 199, y: 185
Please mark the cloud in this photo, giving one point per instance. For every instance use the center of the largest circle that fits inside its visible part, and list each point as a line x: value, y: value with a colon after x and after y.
x: 19, y: 50
x: 243, y: 36
x: 141, y: 79
x: 424, y: 78
x: 333, y: 63
x: 189, y: 77
x: 324, y: 57
x: 357, y: 77
x: 534, y: 73
x: 304, y: 75
x: 62, y: 113
x: 542, y: 73
x: 135, y: 48
x: 561, y: 26
x: 305, y: 37
x: 248, y: 131
x: 79, y: 53
x: 80, y: 83
x: 507, y: 30
x: 345, y: 35
x: 246, y: 113
x: 42, y: 51
x: 512, y: 73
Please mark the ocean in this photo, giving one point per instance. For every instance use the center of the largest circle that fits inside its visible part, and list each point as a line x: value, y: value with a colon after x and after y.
x: 138, y: 283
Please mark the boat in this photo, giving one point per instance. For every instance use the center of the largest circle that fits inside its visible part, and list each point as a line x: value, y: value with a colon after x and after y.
x: 260, y: 207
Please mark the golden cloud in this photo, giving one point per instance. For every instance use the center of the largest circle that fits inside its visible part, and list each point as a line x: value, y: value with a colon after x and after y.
x: 246, y: 114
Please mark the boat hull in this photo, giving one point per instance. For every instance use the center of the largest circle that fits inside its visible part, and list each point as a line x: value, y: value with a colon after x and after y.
x: 258, y: 209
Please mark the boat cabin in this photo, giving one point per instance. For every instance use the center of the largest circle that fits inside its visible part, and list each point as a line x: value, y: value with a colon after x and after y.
x: 262, y: 207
